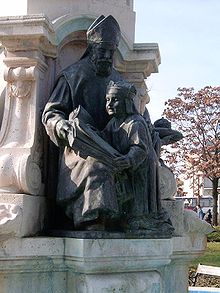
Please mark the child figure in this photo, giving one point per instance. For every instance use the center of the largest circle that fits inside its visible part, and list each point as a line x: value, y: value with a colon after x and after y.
x: 128, y: 133
x: 127, y: 130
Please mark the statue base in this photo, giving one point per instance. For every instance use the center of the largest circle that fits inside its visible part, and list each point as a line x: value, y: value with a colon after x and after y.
x: 143, y: 234
x: 52, y: 265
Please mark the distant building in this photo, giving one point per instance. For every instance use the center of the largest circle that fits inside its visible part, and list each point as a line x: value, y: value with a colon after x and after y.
x: 207, y: 187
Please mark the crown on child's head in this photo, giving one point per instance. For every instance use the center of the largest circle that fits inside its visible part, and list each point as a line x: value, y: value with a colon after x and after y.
x: 126, y: 89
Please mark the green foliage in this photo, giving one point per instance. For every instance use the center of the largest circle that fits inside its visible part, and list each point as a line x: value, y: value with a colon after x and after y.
x: 211, y: 256
x: 214, y: 236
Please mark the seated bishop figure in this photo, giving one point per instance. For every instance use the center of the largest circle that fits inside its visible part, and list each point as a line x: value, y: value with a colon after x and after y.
x: 108, y: 173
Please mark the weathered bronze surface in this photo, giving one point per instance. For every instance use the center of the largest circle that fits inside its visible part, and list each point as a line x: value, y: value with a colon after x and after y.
x: 108, y: 174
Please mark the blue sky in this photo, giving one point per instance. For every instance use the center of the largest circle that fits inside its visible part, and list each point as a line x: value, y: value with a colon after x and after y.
x: 188, y: 35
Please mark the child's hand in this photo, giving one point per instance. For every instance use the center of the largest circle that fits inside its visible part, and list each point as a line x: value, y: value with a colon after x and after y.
x: 122, y: 163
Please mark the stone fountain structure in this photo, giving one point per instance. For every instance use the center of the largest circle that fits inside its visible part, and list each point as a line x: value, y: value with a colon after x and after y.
x: 35, y: 46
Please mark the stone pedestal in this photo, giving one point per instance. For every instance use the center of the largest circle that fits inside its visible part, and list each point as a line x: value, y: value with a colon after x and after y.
x: 70, y: 265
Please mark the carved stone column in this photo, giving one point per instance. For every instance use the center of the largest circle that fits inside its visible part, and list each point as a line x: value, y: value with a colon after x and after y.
x: 19, y: 169
x: 136, y: 65
x: 21, y: 138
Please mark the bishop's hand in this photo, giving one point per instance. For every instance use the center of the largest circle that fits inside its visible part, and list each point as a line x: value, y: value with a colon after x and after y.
x: 63, y: 128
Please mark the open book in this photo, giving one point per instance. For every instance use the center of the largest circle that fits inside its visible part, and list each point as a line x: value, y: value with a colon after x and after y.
x: 85, y: 139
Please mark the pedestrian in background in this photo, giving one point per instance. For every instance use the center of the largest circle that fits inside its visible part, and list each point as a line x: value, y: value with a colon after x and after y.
x: 200, y: 212
x: 208, y: 217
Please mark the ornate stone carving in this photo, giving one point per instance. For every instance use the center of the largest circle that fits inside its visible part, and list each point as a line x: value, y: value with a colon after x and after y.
x: 20, y: 215
x: 26, y: 40
x: 193, y: 225
x: 10, y: 220
x: 31, y: 183
x: 8, y: 212
x: 19, y: 172
x: 20, y: 81
x: 18, y: 113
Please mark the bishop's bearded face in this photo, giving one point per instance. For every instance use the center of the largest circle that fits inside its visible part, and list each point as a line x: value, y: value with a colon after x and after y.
x: 102, y: 57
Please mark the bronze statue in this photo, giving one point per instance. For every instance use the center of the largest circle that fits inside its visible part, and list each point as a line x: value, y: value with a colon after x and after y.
x: 84, y: 84
x: 137, y: 166
x: 166, y: 133
x: 108, y: 174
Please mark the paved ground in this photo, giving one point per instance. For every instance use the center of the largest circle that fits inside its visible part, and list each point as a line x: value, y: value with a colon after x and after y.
x: 204, y: 280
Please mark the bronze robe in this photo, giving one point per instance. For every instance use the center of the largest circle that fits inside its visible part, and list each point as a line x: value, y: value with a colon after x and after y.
x: 85, y: 186
x: 133, y: 138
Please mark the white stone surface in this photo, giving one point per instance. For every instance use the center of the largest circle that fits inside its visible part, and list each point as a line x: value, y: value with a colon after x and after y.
x: 20, y: 150
x: 57, y: 10
x: 20, y: 215
x: 175, y: 212
x: 117, y: 254
x: 168, y: 186
x: 10, y: 220
x: 2, y: 84
x: 108, y: 265
x: 147, y: 282
x: 192, y: 223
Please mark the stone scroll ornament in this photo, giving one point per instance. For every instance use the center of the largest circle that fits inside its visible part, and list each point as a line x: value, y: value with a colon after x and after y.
x: 108, y: 173
x: 19, y: 173
x: 20, y: 82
